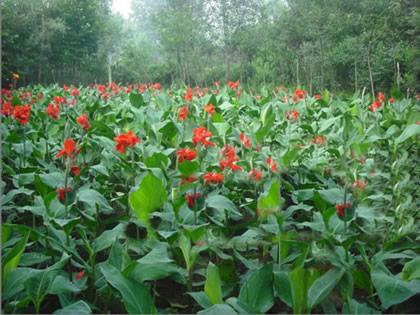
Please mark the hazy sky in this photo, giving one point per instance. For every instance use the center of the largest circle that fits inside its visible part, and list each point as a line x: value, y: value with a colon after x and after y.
x: 122, y: 6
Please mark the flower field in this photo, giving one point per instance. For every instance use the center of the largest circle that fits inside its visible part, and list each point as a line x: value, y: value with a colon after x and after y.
x: 221, y: 200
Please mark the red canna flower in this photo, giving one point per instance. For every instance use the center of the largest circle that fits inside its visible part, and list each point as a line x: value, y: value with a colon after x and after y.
x: 201, y: 135
x: 7, y: 109
x: 381, y: 97
x: 75, y: 92
x: 22, y: 114
x: 188, y: 180
x: 230, y: 158
x: 375, y: 106
x: 157, y: 86
x: 359, y: 184
x: 186, y: 155
x: 60, y: 99
x: 213, y: 178
x: 183, y: 113
x: 299, y: 95
x: 318, y: 97
x: 273, y: 165
x: 125, y: 140
x: 341, y: 209
x: 192, y: 198
x: 62, y: 192
x: 392, y: 100
x: 256, y: 174
x: 246, y: 141
x: 83, y: 121
x: 75, y: 170
x: 233, y: 85
x: 210, y: 109
x: 69, y: 150
x: 80, y: 275
x: 319, y: 140
x: 189, y: 94
x: 66, y: 87
x: 217, y: 83
x: 53, y: 111
x: 293, y: 115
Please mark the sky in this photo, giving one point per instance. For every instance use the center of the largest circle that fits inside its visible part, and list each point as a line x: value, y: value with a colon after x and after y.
x: 122, y: 6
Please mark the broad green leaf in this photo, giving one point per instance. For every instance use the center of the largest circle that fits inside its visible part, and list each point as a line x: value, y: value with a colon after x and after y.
x: 136, y: 297
x: 283, y: 287
x: 136, y: 99
x: 150, y: 196
x: 411, y: 270
x: 92, y: 198
x: 323, y: 286
x: 157, y: 160
x: 270, y: 201
x: 257, y: 290
x: 392, y: 290
x: 79, y: 307
x: 218, y: 309
x: 12, y: 259
x: 188, y: 168
x: 354, y: 307
x: 409, y: 131
x: 213, y: 286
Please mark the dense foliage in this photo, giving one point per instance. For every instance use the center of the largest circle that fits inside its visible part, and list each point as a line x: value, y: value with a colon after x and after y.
x: 339, y: 45
x: 213, y: 200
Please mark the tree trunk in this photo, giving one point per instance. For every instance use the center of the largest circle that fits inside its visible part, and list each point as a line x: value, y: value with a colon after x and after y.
x: 398, y: 75
x: 355, y: 76
x: 370, y: 73
x: 297, y: 72
x: 109, y: 70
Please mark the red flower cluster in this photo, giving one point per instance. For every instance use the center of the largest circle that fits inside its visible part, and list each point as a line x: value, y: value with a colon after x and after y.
x: 75, y: 170
x: 125, y: 140
x: 233, y: 85
x: 341, y: 209
x: 319, y: 140
x: 293, y: 115
x: 183, y: 113
x: 246, y: 141
x: 53, y: 111
x: 80, y: 275
x: 256, y: 175
x: 188, y: 180
x: 62, y: 192
x: 75, y: 92
x: 83, y: 121
x: 186, y: 155
x: 378, y: 103
x: 189, y: 94
x: 273, y: 165
x: 299, y: 95
x: 192, y: 198
x: 359, y: 184
x: 230, y: 158
x: 201, y: 135
x: 213, y: 178
x: 70, y: 149
x: 7, y: 109
x: 209, y: 108
x: 318, y: 97
x: 60, y: 100
x: 22, y: 114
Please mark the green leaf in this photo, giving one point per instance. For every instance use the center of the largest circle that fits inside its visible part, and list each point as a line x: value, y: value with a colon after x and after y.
x: 257, y: 290
x: 283, y: 287
x: 135, y: 295
x: 323, y: 286
x: 92, y: 198
x: 136, y: 99
x: 53, y: 180
x: 270, y: 201
x: 12, y: 259
x: 220, y: 204
x: 409, y: 131
x: 150, y: 196
x: 79, y: 307
x: 392, y: 290
x: 107, y: 238
x: 218, y: 309
x: 188, y: 168
x: 212, y: 286
x: 354, y: 307
x: 411, y: 270
x: 332, y: 196
x: 157, y: 160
